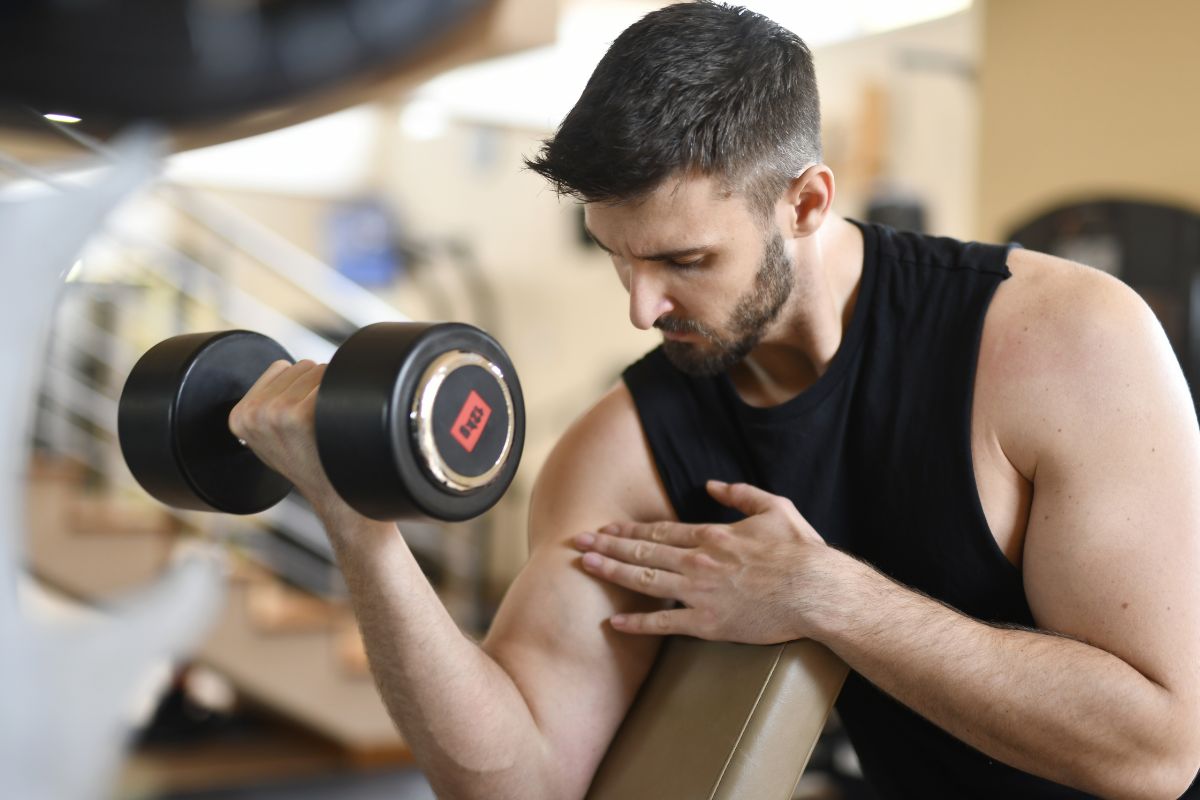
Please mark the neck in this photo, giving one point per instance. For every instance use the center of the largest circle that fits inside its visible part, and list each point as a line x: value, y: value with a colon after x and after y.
x: 799, y: 347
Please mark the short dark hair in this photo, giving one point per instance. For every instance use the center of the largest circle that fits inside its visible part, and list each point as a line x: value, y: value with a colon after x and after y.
x: 699, y: 87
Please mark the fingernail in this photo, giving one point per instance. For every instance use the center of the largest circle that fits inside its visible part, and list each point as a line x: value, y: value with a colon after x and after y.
x: 592, y: 559
x: 610, y: 529
x: 718, y: 484
x: 585, y: 539
x: 618, y: 619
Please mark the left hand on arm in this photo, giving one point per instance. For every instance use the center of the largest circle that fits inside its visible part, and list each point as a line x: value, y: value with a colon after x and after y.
x: 758, y: 581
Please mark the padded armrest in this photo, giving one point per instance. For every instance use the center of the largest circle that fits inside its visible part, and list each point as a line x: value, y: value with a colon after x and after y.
x: 722, y: 721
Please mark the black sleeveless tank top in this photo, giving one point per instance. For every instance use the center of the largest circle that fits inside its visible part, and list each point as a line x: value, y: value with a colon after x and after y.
x: 877, y: 457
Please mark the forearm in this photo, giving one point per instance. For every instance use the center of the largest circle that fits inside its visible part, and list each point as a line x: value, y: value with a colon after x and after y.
x: 468, y: 726
x: 1045, y: 704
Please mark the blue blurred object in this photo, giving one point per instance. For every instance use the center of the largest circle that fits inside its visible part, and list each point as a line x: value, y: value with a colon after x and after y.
x: 362, y: 243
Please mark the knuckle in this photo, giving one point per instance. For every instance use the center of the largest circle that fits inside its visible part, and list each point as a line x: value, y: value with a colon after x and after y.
x: 660, y: 621
x: 252, y: 417
x: 289, y: 416
x: 658, y: 532
x: 646, y: 576
x: 643, y: 550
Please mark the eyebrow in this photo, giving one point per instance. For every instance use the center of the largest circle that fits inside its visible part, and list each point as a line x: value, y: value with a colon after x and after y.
x: 666, y: 255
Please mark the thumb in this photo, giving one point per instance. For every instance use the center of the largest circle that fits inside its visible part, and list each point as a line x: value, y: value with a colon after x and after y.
x: 750, y: 500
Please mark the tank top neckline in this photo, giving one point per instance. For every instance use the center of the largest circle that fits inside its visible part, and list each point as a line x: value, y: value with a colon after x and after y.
x: 852, y: 339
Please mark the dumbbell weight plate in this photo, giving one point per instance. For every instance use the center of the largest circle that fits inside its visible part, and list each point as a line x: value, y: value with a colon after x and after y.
x: 173, y: 422
x: 420, y: 420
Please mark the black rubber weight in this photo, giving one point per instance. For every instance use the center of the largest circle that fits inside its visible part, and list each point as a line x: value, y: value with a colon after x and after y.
x: 366, y: 428
x: 172, y: 422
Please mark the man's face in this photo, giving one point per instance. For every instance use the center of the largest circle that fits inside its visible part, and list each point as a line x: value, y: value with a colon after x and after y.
x: 699, y: 267
x: 759, y: 306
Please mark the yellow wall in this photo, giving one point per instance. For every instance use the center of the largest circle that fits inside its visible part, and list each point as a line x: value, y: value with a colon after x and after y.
x: 1082, y: 98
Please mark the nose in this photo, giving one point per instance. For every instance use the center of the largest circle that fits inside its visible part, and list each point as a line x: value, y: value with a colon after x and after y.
x: 648, y: 299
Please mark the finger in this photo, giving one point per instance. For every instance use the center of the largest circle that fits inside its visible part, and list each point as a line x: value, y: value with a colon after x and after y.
x: 677, y: 534
x: 643, y: 580
x: 270, y: 374
x: 276, y: 379
x: 304, y: 383
x: 637, y: 552
x: 750, y: 500
x: 676, y: 621
x: 284, y: 381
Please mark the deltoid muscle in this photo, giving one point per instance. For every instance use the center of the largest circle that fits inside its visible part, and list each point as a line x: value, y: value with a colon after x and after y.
x: 65, y: 688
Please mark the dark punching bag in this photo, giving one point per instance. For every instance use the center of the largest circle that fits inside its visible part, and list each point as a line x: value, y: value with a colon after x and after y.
x: 191, y: 62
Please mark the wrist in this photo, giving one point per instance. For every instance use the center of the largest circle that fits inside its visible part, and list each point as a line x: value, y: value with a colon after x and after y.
x: 341, y: 521
x: 847, y: 584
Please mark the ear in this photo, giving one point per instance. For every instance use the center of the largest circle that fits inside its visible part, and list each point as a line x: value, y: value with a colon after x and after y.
x: 807, y: 201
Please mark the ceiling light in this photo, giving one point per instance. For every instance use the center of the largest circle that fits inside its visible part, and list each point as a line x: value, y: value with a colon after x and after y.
x: 65, y: 118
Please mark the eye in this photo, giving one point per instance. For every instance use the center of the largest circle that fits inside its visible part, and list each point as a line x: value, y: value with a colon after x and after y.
x: 686, y: 265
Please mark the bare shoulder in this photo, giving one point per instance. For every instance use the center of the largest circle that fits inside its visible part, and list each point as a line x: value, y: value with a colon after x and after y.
x: 1063, y: 341
x: 1090, y: 404
x: 551, y: 634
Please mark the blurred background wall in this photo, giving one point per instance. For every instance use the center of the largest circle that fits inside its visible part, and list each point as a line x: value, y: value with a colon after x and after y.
x: 1079, y: 100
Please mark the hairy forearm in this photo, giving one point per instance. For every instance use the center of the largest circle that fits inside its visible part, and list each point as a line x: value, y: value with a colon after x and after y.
x: 467, y: 724
x: 1046, y: 704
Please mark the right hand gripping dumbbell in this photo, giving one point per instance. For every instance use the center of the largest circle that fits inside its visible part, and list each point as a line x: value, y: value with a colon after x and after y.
x: 413, y: 420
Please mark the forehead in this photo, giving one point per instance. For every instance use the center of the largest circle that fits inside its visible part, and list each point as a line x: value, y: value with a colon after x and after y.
x: 675, y: 212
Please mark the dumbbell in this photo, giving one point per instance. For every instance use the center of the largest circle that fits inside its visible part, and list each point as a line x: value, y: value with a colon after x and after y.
x: 413, y: 421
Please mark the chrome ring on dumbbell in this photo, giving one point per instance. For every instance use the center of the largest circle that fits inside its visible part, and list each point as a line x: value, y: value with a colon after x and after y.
x: 472, y: 420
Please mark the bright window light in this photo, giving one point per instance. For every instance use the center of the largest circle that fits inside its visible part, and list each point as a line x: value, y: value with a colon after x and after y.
x: 534, y: 89
x: 424, y: 120
x: 336, y: 152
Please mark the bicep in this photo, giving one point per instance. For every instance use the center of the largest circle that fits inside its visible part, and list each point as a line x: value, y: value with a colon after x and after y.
x: 550, y: 634
x: 1113, y: 543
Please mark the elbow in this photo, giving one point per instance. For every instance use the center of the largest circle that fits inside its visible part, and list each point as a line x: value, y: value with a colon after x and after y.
x: 1166, y: 780
x: 1173, y: 776
x: 1167, y: 767
x: 1179, y: 760
x: 1164, y: 775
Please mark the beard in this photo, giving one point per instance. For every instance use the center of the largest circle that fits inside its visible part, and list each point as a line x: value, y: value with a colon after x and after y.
x: 753, y: 313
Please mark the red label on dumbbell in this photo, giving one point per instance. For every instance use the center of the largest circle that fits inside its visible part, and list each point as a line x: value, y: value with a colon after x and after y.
x: 472, y: 419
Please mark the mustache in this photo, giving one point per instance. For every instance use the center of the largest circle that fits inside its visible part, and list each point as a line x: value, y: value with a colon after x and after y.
x: 673, y: 325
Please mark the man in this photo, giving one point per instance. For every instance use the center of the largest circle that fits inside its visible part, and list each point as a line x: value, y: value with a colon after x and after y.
x: 904, y: 424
